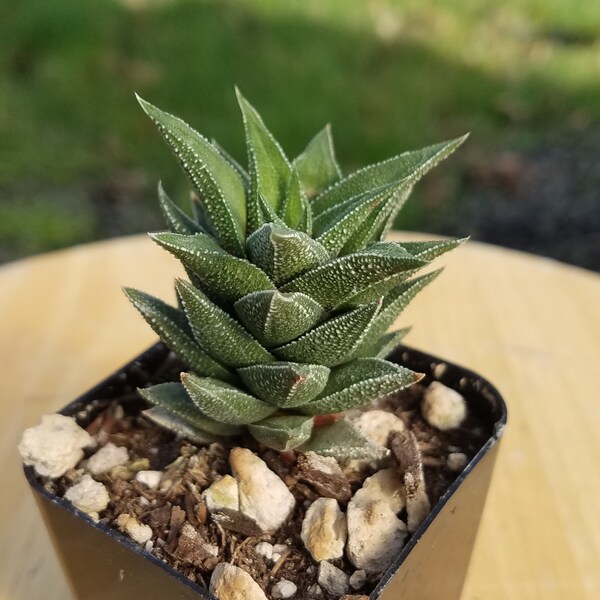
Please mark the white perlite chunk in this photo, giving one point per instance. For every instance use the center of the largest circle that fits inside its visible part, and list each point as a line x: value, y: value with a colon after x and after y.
x: 378, y: 424
x: 55, y: 445
x: 229, y: 582
x: 264, y: 549
x: 443, y: 407
x: 384, y: 485
x: 324, y: 529
x: 151, y: 479
x: 332, y: 579
x: 375, y: 533
x: 358, y: 579
x: 223, y: 503
x: 456, y: 461
x: 88, y: 495
x: 137, y: 531
x: 106, y: 459
x: 284, y: 589
x: 264, y: 498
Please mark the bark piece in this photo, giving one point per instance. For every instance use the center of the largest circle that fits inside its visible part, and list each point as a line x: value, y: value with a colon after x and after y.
x: 325, y: 475
x: 192, y: 548
x: 406, y: 452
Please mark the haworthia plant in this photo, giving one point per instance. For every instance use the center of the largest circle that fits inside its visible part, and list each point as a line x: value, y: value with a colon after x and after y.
x: 292, y: 289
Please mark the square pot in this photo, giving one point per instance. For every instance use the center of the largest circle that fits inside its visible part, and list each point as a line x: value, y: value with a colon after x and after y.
x: 102, y: 564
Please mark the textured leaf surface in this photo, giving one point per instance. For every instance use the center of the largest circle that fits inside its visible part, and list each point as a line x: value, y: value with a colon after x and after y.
x: 393, y: 304
x: 333, y: 342
x: 293, y: 204
x: 174, y: 398
x: 223, y: 402
x: 385, y: 345
x: 337, y: 281
x: 282, y: 432
x: 336, y: 226
x: 274, y: 318
x: 408, y: 166
x: 177, y: 221
x: 317, y: 165
x: 168, y: 420
x: 228, y: 278
x: 172, y: 326
x: 283, y: 253
x: 431, y: 249
x: 285, y: 384
x: 342, y: 441
x: 218, y: 185
x: 217, y: 333
x: 359, y: 382
x: 270, y: 169
x: 244, y: 176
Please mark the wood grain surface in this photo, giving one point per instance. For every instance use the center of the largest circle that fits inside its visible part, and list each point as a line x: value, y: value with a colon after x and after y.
x: 530, y: 325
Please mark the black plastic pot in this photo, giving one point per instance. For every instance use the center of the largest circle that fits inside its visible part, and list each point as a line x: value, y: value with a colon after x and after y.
x: 102, y: 564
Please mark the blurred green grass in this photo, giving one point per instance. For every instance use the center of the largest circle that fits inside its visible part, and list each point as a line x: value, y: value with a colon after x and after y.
x: 79, y: 160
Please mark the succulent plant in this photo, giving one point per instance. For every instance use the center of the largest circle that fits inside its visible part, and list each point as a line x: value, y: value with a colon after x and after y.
x: 291, y: 289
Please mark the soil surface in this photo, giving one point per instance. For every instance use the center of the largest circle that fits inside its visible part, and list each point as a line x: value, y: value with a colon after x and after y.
x: 188, y: 470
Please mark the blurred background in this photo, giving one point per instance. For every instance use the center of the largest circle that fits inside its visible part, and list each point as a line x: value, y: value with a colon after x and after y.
x: 79, y: 161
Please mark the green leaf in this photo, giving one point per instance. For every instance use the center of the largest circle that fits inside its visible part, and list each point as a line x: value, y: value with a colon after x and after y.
x: 284, y: 432
x: 431, y: 249
x: 407, y: 167
x: 359, y: 382
x: 217, y: 183
x: 283, y: 253
x: 168, y: 420
x: 336, y: 226
x: 234, y: 163
x: 293, y: 205
x: 228, y: 278
x: 317, y: 165
x: 385, y: 345
x: 306, y: 222
x: 269, y: 167
x: 343, y: 441
x: 337, y: 281
x: 372, y: 228
x: 393, y: 304
x: 223, y: 402
x: 171, y: 325
x: 176, y: 219
x: 173, y: 398
x: 333, y: 342
x: 274, y: 318
x: 285, y: 384
x: 217, y: 333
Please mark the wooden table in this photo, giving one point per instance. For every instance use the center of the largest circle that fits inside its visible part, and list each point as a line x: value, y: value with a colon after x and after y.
x: 530, y: 325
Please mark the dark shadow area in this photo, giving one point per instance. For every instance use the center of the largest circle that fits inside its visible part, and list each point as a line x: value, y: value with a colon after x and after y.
x: 80, y: 161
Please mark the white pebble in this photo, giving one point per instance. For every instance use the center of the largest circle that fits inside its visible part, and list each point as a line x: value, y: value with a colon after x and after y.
x: 456, y: 461
x: 357, y: 579
x: 55, y: 445
x: 106, y: 459
x: 276, y: 556
x: 88, y: 495
x: 280, y: 548
x: 229, y: 582
x: 443, y: 407
x: 137, y: 531
x: 284, y: 589
x: 264, y: 549
x: 324, y: 530
x: 151, y: 479
x: 332, y: 579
